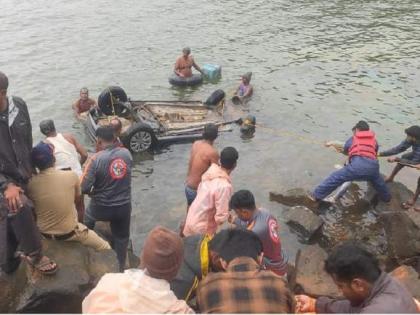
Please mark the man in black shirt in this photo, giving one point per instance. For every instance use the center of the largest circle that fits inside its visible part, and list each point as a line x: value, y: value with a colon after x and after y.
x: 17, y: 223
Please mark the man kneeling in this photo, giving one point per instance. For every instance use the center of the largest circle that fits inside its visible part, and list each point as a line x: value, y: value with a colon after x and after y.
x: 54, y: 193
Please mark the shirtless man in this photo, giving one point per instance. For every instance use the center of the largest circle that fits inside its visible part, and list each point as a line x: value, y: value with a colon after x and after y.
x: 184, y: 64
x: 203, y: 154
x: 84, y: 103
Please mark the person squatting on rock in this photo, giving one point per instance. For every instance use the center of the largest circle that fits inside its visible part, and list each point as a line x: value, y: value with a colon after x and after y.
x: 107, y: 180
x: 244, y: 286
x: 365, y: 287
x: 66, y: 152
x: 17, y: 222
x: 54, y: 193
x: 66, y: 148
x: 203, y: 155
x: 146, y: 289
x: 210, y: 208
x: 412, y: 140
x: 262, y: 223
x: 362, y: 165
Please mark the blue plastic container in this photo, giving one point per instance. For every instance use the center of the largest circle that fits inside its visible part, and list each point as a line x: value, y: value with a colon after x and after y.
x: 211, y: 71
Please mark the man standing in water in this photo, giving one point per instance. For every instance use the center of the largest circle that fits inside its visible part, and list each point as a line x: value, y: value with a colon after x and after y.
x: 184, y: 64
x: 84, y: 103
x: 203, y: 154
x: 17, y: 223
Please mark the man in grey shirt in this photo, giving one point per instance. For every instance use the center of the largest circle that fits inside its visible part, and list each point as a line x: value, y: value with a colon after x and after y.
x: 107, y: 180
x: 365, y: 287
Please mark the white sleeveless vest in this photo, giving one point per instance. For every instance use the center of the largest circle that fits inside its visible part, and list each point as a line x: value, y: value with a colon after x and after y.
x: 65, y: 154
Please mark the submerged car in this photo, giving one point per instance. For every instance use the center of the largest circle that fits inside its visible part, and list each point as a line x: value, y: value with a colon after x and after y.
x: 148, y: 123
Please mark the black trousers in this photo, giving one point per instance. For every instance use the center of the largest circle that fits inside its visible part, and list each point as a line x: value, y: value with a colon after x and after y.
x: 19, y: 231
x: 119, y: 218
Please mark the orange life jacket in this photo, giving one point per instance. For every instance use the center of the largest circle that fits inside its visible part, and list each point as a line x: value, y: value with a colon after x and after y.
x: 363, y: 144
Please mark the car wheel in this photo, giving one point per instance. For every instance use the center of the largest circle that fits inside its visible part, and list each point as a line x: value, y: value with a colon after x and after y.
x: 140, y: 139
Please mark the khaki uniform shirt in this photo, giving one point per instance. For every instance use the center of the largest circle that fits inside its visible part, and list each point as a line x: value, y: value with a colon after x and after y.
x: 53, y: 193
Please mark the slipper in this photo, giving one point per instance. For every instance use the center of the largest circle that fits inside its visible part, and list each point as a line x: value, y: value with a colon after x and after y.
x: 45, y: 265
x: 406, y: 205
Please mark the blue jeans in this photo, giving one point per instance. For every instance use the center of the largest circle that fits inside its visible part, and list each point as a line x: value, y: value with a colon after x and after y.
x: 190, y: 194
x: 359, y: 169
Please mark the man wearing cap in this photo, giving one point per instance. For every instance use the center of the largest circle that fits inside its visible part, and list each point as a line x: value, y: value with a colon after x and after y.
x: 66, y: 148
x: 17, y: 224
x: 362, y: 165
x: 184, y: 64
x: 107, y: 180
x: 53, y: 193
x: 243, y: 286
x: 412, y: 141
x: 146, y: 289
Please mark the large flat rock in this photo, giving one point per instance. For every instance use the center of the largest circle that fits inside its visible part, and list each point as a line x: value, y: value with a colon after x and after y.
x: 402, y: 233
x: 311, y: 276
x: 80, y: 268
x: 303, y: 220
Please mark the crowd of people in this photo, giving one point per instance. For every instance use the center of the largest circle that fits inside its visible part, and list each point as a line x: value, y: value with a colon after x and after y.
x: 227, y: 256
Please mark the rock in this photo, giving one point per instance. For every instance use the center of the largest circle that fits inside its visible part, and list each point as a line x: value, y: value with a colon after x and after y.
x: 400, y: 193
x: 402, y: 233
x: 294, y: 197
x: 409, y: 278
x: 304, y: 220
x: 311, y: 276
x: 80, y: 268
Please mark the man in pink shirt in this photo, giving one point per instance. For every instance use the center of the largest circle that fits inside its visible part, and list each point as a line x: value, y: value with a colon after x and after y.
x: 211, y: 206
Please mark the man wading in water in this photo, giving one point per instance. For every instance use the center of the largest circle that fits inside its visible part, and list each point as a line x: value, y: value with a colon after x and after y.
x: 184, y: 64
x: 203, y: 154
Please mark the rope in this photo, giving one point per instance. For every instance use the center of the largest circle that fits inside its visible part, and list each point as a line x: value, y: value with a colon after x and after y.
x: 312, y: 141
x: 290, y: 135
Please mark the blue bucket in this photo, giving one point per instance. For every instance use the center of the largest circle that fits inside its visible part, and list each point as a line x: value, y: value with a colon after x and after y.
x: 211, y: 71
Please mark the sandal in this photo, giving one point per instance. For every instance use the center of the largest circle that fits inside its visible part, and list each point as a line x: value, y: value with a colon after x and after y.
x: 44, y: 265
x: 407, y: 205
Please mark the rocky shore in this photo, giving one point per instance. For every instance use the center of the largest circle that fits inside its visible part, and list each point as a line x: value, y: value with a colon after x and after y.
x: 388, y: 230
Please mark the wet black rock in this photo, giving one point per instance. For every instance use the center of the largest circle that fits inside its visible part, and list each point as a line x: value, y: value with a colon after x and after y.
x: 409, y: 278
x: 303, y: 220
x: 311, y: 277
x: 293, y: 197
x: 402, y: 231
x: 80, y: 268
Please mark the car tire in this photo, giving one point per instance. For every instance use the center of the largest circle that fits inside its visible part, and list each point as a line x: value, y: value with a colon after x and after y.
x: 139, y: 138
x: 109, y: 101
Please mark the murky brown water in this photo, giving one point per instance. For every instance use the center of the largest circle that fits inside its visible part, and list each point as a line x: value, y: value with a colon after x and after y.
x: 318, y: 67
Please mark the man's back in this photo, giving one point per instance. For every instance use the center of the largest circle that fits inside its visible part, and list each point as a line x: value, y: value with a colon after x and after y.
x: 266, y: 227
x: 107, y: 177
x: 210, y: 207
x: 202, y: 156
x: 65, y: 154
x: 53, y: 193
x: 244, y: 288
